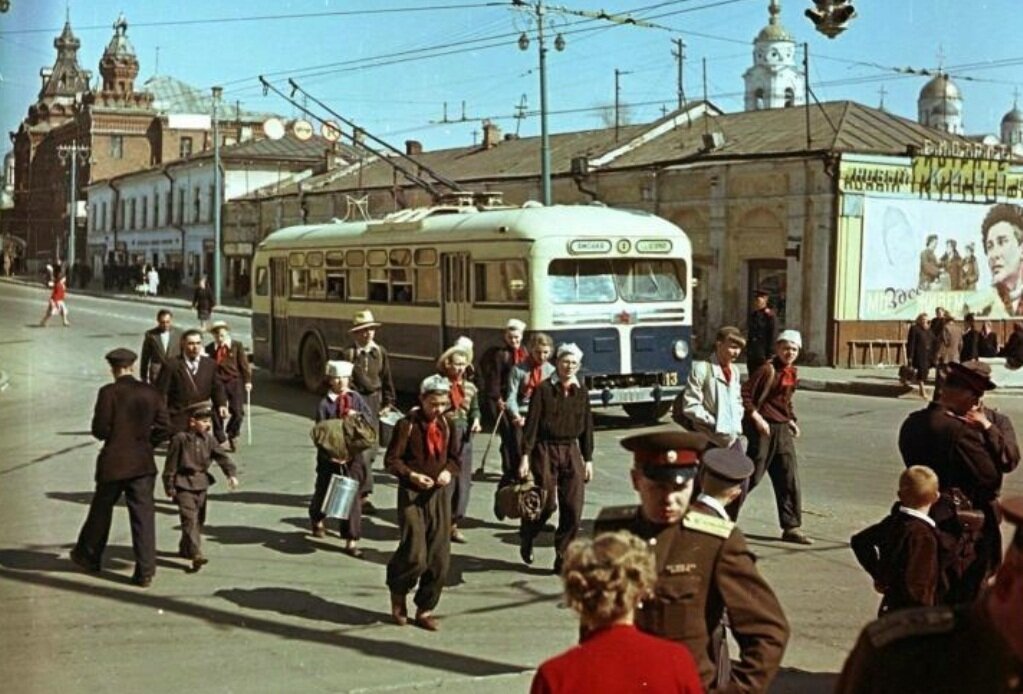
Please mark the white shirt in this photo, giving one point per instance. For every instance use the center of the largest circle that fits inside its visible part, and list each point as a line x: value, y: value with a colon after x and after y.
x: 193, y: 366
x: 712, y: 503
x: 165, y: 339
x: 916, y: 514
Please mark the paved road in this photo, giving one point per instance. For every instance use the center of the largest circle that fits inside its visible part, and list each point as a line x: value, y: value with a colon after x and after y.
x: 277, y: 611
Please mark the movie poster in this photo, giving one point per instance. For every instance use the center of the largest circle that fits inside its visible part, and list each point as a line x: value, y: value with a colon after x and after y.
x: 922, y: 254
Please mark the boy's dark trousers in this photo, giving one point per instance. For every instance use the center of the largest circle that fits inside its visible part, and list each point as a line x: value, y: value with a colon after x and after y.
x: 235, y: 392
x: 424, y: 550
x: 351, y: 529
x: 192, y: 511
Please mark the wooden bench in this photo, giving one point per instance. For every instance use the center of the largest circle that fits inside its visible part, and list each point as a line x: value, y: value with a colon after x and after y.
x: 875, y: 353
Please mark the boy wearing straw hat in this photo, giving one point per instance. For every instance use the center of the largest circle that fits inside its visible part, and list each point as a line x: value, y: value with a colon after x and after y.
x: 464, y: 418
x: 235, y: 373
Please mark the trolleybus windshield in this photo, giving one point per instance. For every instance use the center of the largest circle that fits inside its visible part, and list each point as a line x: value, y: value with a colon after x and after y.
x: 603, y: 280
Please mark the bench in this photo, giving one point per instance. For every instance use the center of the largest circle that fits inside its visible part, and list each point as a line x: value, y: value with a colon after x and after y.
x: 875, y: 353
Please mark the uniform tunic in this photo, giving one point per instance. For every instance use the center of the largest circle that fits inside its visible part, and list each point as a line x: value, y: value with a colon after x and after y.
x: 703, y: 568
x: 424, y: 515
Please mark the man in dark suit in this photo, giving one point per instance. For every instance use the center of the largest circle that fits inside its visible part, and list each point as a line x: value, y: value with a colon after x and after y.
x: 761, y: 331
x: 129, y: 419
x: 234, y: 372
x: 190, y: 379
x: 159, y: 345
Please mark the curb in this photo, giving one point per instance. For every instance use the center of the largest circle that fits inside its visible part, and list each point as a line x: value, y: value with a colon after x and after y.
x: 176, y: 302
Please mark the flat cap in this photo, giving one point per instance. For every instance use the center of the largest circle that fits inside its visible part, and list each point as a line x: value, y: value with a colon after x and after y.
x: 434, y: 384
x: 121, y: 357
x: 731, y: 334
x: 761, y: 292
x: 200, y: 410
x: 727, y: 464
x: 974, y: 375
x: 667, y: 454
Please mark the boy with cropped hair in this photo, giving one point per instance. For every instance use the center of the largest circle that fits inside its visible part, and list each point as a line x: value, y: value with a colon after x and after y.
x: 901, y: 553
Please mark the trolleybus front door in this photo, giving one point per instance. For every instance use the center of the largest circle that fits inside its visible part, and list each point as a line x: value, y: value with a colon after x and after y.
x: 279, y: 315
x: 455, y: 299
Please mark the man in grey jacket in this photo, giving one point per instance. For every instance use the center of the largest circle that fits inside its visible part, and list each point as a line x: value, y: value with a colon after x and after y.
x: 712, y: 401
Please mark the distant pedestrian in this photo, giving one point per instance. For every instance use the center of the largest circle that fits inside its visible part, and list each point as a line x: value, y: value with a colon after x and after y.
x: 129, y: 418
x: 235, y: 374
x: 557, y: 452
x: 988, y: 341
x: 190, y: 379
x: 159, y: 346
x: 152, y: 281
x: 971, y: 339
x: 919, y: 342
x: 901, y: 553
x: 57, y: 302
x: 464, y: 419
x: 186, y: 479
x: 761, y: 331
x: 203, y: 302
x: 605, y: 581
x: 496, y: 365
x: 424, y: 456
x: 771, y: 427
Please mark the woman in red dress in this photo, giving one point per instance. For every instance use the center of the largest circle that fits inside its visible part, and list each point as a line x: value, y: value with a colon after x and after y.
x: 57, y: 302
x: 605, y: 579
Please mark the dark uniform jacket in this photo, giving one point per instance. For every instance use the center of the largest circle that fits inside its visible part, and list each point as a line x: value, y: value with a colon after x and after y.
x: 931, y: 650
x: 495, y: 367
x: 372, y: 372
x: 235, y: 364
x: 901, y: 554
x: 556, y: 417
x: 703, y: 568
x: 408, y: 451
x: 762, y: 331
x: 182, y: 389
x: 154, y: 356
x: 129, y: 419
x: 189, y: 458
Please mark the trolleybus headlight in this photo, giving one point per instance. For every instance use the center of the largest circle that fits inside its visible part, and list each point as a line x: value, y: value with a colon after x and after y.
x: 680, y: 349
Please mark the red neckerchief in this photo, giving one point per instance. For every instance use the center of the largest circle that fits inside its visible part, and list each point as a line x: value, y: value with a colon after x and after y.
x: 519, y: 355
x: 457, y: 394
x: 434, y: 439
x: 727, y: 371
x: 221, y: 353
x: 534, y: 380
x: 344, y: 403
x: 787, y: 377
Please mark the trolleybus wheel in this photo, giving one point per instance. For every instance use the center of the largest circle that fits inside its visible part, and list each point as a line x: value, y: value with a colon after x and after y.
x: 647, y: 411
x: 313, y: 362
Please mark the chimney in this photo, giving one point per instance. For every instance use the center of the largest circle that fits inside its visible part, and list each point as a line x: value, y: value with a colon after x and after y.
x: 491, y: 134
x: 413, y: 147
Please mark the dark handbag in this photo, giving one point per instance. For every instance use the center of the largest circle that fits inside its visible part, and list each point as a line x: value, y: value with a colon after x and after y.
x: 519, y: 500
x: 359, y: 434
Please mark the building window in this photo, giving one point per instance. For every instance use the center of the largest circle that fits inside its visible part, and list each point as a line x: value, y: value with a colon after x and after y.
x: 185, y: 148
x: 170, y: 206
x: 103, y: 216
x: 156, y: 208
x: 145, y: 212
x: 196, y: 204
x: 758, y: 100
x: 181, y: 206
x: 790, y: 97
x: 132, y: 220
x: 117, y: 146
x: 213, y: 201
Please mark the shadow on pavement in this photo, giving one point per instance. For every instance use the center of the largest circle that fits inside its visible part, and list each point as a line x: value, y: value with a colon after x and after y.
x: 283, y: 542
x: 793, y: 681
x: 301, y: 603
x: 115, y: 558
x: 385, y: 650
x: 264, y: 498
x: 85, y: 498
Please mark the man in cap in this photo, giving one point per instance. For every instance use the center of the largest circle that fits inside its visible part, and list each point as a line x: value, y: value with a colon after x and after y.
x: 761, y: 329
x: 339, y: 402
x: 190, y: 379
x: 954, y: 436
x: 974, y: 647
x: 704, y: 564
x: 129, y: 418
x: 712, y: 399
x: 496, y: 366
x: 371, y: 378
x: 557, y: 450
x: 424, y: 456
x: 235, y: 374
x: 771, y: 427
x: 159, y: 345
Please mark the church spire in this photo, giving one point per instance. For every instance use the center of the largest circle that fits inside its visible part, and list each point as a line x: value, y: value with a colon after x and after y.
x: 66, y: 78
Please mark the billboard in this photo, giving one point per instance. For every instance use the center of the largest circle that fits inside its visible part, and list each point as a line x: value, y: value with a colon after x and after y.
x: 921, y: 254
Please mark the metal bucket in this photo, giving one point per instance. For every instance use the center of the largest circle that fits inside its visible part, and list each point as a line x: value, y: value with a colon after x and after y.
x: 341, y: 494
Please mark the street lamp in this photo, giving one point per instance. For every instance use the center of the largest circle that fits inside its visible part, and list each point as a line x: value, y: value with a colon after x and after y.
x: 217, y: 92
x: 559, y: 44
x: 72, y: 153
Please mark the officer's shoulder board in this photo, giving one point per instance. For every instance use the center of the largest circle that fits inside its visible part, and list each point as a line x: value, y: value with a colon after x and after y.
x: 709, y: 525
x: 611, y: 518
x: 917, y: 621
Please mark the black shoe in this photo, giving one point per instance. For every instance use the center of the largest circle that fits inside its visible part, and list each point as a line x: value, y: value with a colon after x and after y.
x: 199, y: 562
x: 526, y: 550
x: 796, y: 536
x: 79, y: 559
x: 558, y: 563
x: 142, y: 581
x: 368, y: 508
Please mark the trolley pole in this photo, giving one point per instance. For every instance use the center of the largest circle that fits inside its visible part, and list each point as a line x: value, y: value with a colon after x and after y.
x: 217, y: 281
x: 72, y: 154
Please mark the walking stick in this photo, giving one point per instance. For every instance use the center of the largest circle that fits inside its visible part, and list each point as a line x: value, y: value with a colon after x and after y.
x: 248, y: 415
x: 481, y: 470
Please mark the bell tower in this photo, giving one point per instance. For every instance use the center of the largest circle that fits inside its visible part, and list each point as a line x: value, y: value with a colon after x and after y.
x: 774, y: 80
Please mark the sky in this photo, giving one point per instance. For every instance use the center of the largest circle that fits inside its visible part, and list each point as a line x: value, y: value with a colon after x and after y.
x: 390, y: 65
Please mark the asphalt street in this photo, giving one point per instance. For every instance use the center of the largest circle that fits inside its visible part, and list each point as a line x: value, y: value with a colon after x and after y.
x: 279, y: 611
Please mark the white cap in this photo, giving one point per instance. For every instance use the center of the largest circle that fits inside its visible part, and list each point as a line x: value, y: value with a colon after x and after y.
x: 515, y: 324
x: 570, y: 348
x: 434, y: 384
x: 792, y: 336
x: 339, y: 369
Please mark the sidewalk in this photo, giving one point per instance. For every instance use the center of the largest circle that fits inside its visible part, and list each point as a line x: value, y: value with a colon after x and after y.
x: 182, y: 299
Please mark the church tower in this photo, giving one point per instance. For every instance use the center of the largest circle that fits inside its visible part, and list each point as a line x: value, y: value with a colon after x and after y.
x: 63, y: 84
x: 940, y: 105
x: 1012, y: 127
x: 774, y: 80
x: 119, y: 67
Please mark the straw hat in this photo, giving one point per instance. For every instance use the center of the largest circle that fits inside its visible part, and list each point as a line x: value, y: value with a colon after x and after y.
x: 219, y: 325
x: 463, y: 345
x: 363, y: 320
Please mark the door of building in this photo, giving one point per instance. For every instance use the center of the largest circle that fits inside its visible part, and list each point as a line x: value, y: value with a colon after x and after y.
x: 769, y: 275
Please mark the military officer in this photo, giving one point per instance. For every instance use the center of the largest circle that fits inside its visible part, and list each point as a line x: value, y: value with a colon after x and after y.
x: 703, y: 565
x: 976, y: 647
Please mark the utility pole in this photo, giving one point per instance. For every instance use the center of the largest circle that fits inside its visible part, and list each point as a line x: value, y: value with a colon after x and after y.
x: 72, y: 154
x: 618, y: 100
x: 520, y: 113
x: 217, y: 195
x: 680, y: 56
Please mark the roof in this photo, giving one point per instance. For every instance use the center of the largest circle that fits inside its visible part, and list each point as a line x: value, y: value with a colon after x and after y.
x: 940, y: 87
x: 172, y: 96
x: 1013, y: 116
